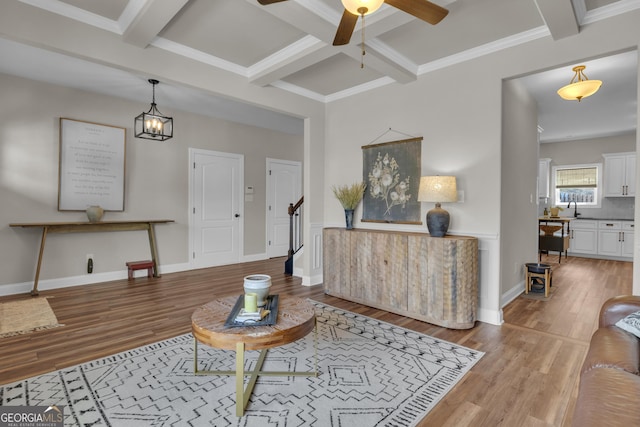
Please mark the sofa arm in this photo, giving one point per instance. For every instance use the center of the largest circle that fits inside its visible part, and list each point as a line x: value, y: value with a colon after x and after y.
x: 617, y: 308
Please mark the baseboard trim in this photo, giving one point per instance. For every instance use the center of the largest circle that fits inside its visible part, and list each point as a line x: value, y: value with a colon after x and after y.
x: 85, y: 279
x: 512, y: 294
x: 493, y: 317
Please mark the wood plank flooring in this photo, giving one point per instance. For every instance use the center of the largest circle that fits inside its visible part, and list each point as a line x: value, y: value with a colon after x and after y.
x: 528, y: 377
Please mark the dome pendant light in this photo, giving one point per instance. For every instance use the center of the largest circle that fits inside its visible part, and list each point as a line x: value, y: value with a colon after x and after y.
x: 580, y: 86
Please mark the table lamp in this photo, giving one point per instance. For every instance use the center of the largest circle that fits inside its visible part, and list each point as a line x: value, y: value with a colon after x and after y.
x: 438, y: 189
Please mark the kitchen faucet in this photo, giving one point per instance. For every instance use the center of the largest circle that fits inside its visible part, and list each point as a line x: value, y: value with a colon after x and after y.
x: 575, y: 212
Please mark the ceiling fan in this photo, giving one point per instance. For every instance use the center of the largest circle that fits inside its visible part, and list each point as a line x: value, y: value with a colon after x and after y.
x: 421, y: 9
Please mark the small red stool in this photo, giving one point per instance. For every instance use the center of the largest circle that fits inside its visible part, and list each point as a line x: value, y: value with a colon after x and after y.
x: 140, y: 265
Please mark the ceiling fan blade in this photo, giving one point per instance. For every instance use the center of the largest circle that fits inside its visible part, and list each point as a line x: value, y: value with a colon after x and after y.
x: 421, y: 9
x: 266, y: 2
x: 345, y: 29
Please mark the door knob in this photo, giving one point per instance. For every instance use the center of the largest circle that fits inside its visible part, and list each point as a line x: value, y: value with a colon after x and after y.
x: 237, y: 215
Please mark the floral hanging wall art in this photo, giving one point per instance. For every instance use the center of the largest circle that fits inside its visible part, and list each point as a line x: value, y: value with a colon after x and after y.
x: 391, y: 171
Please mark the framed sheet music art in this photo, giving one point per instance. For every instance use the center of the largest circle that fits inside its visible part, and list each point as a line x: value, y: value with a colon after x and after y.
x: 92, y: 166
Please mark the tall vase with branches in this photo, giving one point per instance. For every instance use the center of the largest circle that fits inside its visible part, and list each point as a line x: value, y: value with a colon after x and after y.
x: 349, y: 197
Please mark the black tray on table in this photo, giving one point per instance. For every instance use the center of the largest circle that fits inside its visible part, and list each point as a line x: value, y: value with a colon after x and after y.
x: 270, y: 319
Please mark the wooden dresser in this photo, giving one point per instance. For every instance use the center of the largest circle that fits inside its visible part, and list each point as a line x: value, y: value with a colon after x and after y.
x: 434, y: 279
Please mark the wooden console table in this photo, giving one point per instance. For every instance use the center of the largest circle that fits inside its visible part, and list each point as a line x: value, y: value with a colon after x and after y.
x: 86, y: 227
x: 433, y: 279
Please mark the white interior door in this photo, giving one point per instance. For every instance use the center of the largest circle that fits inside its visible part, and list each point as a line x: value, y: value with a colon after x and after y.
x: 284, y: 186
x: 217, y: 208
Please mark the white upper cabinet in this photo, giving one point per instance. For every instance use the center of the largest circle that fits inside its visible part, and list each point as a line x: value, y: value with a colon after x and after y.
x: 619, y: 175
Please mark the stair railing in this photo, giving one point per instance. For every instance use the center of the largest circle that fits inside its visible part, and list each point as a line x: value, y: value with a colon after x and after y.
x: 295, y: 233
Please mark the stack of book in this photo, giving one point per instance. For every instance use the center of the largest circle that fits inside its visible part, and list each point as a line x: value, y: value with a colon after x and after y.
x: 248, y: 316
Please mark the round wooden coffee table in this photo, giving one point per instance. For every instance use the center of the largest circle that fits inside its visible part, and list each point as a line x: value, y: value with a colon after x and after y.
x: 296, y: 318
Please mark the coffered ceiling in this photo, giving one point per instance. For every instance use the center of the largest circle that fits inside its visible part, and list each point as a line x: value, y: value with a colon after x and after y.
x: 289, y: 44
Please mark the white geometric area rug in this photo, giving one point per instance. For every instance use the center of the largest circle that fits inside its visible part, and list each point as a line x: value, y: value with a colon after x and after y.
x: 371, y: 374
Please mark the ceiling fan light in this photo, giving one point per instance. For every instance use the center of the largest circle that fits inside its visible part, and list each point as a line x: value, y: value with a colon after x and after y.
x: 579, y: 87
x: 355, y: 6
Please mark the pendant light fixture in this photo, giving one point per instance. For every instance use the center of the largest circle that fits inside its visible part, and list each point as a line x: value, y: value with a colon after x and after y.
x: 362, y: 8
x: 580, y: 86
x: 152, y: 124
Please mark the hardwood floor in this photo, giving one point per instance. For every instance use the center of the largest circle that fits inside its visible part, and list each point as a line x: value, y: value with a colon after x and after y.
x: 528, y: 377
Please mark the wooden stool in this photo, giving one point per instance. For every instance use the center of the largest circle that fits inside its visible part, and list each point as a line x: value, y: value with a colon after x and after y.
x: 140, y: 265
x: 536, y: 270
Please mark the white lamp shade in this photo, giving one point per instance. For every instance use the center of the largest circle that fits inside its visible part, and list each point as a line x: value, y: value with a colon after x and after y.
x: 578, y: 90
x: 353, y: 6
x: 438, y: 189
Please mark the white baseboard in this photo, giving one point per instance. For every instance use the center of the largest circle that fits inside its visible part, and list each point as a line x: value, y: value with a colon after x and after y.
x: 85, y: 279
x: 492, y: 317
x: 311, y: 280
x: 512, y: 294
x: 254, y: 257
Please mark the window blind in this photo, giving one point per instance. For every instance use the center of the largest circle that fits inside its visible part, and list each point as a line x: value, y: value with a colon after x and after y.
x: 577, y: 178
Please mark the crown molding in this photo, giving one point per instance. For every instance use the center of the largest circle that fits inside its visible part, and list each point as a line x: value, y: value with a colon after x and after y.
x: 133, y: 9
x: 610, y: 11
x: 280, y: 84
x: 198, y: 55
x: 75, y: 13
x: 393, y: 55
x: 485, y: 49
x: 285, y: 54
x: 580, y: 10
x: 322, y: 10
x: 374, y: 84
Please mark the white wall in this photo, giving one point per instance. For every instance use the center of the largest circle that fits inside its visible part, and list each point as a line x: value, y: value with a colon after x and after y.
x: 458, y: 111
x: 156, y: 180
x: 462, y: 137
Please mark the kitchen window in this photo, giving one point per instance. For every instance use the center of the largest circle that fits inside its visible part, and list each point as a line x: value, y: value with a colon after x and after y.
x: 577, y: 183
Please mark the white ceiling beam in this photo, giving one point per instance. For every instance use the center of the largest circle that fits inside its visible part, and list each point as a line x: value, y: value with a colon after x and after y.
x: 150, y: 20
x: 305, y: 53
x: 560, y: 17
x: 389, y: 64
x: 321, y: 22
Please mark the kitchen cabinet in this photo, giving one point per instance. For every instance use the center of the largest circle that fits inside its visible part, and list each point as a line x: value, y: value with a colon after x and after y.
x: 615, y: 238
x: 544, y: 166
x: 584, y: 237
x: 619, y: 175
x: 433, y: 279
x: 627, y: 239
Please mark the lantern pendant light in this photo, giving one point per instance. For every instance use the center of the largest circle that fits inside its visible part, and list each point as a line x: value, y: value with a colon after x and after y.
x: 153, y: 124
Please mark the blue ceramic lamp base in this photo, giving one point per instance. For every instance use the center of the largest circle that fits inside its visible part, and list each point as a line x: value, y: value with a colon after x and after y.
x: 437, y: 221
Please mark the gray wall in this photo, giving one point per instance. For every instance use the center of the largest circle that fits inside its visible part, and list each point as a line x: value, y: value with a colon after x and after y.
x: 518, y: 212
x: 156, y: 186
